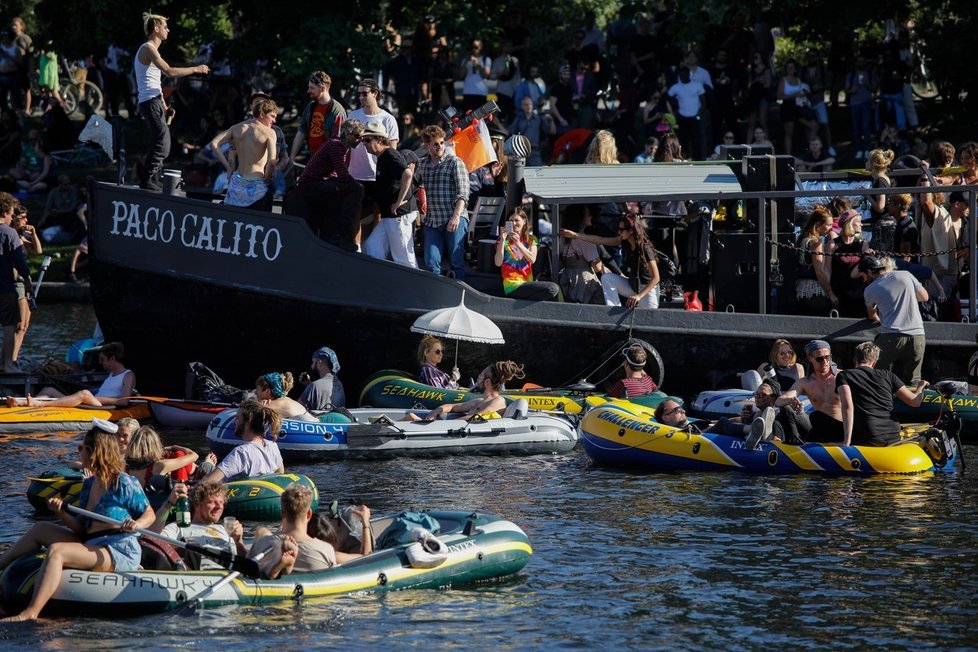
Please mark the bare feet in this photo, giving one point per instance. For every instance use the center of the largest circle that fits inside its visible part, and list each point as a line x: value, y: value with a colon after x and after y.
x: 23, y: 616
x: 13, y: 401
x: 33, y: 402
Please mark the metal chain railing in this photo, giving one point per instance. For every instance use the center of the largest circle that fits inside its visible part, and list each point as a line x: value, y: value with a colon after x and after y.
x: 891, y: 254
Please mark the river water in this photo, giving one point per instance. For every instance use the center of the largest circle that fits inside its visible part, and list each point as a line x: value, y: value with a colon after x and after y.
x: 682, y: 562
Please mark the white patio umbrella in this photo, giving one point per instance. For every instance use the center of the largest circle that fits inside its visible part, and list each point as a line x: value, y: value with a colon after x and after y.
x: 459, y: 323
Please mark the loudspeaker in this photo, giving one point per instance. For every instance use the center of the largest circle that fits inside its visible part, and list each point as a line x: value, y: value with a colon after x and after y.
x: 734, y: 269
x: 765, y: 173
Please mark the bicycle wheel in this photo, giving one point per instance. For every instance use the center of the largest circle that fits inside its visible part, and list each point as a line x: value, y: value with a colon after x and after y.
x: 69, y: 95
x: 93, y: 95
x: 923, y: 87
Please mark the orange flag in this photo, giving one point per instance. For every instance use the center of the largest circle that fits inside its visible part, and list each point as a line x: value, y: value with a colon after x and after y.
x: 474, y: 146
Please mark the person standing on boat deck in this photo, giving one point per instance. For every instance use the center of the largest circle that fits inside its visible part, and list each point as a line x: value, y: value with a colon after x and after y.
x: 322, y: 118
x: 272, y: 390
x: 332, y: 194
x: 639, y: 281
x: 207, y: 501
x: 256, y: 156
x: 149, y: 66
x: 257, y: 455
x: 892, y: 298
x: 13, y: 257
x: 393, y: 189
x: 300, y: 552
x: 866, y: 394
x: 430, y: 354
x: 825, y: 423
x: 636, y: 382
x: 447, y: 187
x: 363, y: 164
x: 81, y: 542
x: 32, y: 245
x: 114, y: 391
x: 327, y: 390
x: 490, y: 382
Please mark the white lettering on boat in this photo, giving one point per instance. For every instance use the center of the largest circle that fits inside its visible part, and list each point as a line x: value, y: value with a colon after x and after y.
x: 310, y: 428
x: 625, y: 422
x: 202, y: 232
x: 464, y: 545
x: 169, y: 582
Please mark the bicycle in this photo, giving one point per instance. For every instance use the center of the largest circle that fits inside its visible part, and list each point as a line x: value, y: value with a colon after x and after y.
x: 71, y: 90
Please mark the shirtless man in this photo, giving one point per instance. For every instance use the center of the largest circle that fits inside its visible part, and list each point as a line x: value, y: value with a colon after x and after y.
x: 148, y: 67
x: 255, y: 146
x: 825, y: 423
x: 115, y: 390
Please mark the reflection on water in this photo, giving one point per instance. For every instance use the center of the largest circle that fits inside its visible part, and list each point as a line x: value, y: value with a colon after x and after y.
x: 682, y: 561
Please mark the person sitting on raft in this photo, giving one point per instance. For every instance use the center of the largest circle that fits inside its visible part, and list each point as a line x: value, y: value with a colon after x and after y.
x: 866, y: 394
x: 273, y: 390
x: 207, y: 501
x: 297, y: 551
x: 327, y: 390
x: 115, y: 390
x: 824, y: 424
x: 82, y: 543
x: 636, y: 382
x: 146, y: 459
x: 430, y: 354
x: 492, y: 403
x: 782, y: 365
x: 670, y: 412
x: 257, y: 455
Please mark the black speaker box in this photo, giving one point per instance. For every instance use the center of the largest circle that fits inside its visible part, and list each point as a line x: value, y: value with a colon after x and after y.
x: 734, y: 268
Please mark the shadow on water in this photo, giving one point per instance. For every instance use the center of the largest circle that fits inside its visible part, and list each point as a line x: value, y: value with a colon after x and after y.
x: 653, y: 561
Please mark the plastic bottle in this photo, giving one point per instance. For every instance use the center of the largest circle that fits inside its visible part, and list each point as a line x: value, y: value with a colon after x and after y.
x: 182, y: 512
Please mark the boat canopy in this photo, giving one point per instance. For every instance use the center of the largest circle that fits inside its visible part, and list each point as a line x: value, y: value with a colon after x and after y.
x: 596, y: 184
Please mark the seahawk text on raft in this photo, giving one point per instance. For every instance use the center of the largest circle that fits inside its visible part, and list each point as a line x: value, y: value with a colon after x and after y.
x: 194, y: 231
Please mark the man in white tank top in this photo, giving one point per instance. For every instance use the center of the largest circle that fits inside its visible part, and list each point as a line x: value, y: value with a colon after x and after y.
x: 149, y: 66
x: 115, y: 390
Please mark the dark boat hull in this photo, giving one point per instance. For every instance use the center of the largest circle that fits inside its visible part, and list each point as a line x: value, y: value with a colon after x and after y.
x: 248, y: 304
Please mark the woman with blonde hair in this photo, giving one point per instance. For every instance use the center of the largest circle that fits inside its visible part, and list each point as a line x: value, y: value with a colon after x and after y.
x: 782, y: 364
x: 846, y: 251
x: 146, y: 457
x: 878, y: 163
x: 272, y: 389
x: 81, y: 542
x: 603, y: 149
x: 431, y: 352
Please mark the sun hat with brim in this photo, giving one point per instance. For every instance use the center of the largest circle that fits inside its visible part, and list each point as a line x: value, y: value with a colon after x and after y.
x: 374, y: 128
x: 104, y: 426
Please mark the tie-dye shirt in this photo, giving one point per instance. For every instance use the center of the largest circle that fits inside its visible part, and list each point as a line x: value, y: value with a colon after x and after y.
x: 517, y: 268
x: 126, y: 500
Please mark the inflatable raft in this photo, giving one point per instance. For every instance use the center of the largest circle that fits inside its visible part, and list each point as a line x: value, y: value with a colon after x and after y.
x: 367, y: 433
x: 717, y: 403
x: 57, y: 419
x: 254, y: 499
x: 965, y: 407
x: 396, y: 389
x: 479, y: 547
x: 614, y: 436
x: 185, y: 413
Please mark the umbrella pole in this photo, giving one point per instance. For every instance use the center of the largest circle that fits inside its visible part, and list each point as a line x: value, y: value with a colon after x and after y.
x: 456, y: 353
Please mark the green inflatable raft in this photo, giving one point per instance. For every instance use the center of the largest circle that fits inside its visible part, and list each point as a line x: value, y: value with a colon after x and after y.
x: 254, y: 499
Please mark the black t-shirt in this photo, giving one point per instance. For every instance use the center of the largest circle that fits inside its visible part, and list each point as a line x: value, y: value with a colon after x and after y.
x: 872, y: 398
x: 390, y: 167
x: 907, y: 231
x: 635, y: 266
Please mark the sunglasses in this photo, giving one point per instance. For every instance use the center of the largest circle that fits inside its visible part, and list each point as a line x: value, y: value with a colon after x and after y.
x: 823, y: 358
x: 762, y: 394
x: 675, y: 410
x: 438, y: 351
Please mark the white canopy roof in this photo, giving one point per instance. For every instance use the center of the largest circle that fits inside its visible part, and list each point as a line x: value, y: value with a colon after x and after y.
x: 573, y: 184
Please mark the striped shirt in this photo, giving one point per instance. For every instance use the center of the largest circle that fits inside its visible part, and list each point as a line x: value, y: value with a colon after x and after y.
x: 329, y: 162
x: 445, y: 183
x: 628, y: 387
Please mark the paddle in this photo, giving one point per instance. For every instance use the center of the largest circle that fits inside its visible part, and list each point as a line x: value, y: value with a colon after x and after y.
x: 241, y: 565
x: 190, y: 606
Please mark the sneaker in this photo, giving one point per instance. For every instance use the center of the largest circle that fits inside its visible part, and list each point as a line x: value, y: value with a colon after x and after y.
x: 756, y: 434
x: 768, y: 415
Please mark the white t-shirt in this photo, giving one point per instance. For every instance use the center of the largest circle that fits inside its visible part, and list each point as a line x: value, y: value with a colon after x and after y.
x: 475, y: 83
x: 212, y: 536
x: 251, y: 460
x: 363, y: 164
x: 688, y: 97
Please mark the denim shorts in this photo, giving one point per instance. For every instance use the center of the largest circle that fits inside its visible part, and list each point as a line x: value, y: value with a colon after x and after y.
x: 123, y: 548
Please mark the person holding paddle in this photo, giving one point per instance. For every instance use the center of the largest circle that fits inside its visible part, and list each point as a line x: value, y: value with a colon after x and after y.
x: 115, y: 390
x: 81, y: 542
